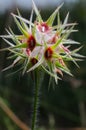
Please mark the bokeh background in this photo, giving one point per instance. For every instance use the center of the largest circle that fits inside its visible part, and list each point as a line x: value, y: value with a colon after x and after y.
x: 62, y: 105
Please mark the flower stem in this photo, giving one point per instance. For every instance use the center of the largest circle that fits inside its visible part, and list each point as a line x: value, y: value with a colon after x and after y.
x: 35, y: 104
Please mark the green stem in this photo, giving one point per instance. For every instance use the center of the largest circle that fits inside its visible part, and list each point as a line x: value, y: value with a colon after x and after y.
x: 36, y: 99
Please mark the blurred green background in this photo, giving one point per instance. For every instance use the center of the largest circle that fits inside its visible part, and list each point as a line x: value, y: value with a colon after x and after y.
x: 61, y: 107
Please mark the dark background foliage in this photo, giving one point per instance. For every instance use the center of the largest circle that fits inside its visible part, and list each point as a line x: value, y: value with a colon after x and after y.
x: 64, y: 104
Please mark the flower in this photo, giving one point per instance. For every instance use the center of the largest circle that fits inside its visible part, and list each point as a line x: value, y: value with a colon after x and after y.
x: 42, y: 44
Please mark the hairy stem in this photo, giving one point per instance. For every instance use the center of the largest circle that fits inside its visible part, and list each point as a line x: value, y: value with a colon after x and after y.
x: 35, y: 104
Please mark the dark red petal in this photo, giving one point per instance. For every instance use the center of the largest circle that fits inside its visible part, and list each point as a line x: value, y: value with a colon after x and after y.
x: 48, y: 53
x: 43, y: 27
x: 34, y: 61
x: 31, y: 42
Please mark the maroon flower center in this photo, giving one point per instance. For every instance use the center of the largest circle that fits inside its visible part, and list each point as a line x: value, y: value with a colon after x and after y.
x: 34, y: 61
x: 31, y: 43
x: 48, y: 53
x: 43, y: 27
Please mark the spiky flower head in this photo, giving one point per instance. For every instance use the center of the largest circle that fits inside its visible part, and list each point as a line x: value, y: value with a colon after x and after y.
x: 42, y: 44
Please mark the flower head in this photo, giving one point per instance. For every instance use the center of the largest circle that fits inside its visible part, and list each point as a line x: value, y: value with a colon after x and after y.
x: 42, y: 44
